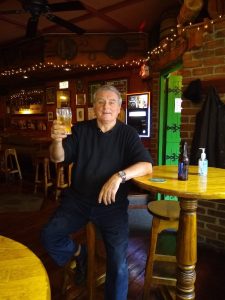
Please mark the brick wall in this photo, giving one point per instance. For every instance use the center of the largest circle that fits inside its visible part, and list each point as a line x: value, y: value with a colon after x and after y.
x: 208, y: 64
x: 204, y: 58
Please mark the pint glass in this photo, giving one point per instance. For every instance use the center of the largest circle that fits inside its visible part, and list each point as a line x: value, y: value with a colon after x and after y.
x: 64, y: 114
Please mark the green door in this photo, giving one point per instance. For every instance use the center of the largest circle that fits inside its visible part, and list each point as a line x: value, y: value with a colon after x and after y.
x: 170, y: 120
x: 173, y: 120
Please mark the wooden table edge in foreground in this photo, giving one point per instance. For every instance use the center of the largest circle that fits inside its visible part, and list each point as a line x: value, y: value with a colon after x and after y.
x: 189, y: 192
x: 23, y: 276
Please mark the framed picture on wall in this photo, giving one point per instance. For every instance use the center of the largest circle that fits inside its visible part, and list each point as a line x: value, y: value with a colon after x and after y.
x: 91, y: 113
x: 92, y: 87
x: 50, y: 95
x: 80, y: 99
x: 121, y: 85
x: 80, y: 114
x: 50, y: 116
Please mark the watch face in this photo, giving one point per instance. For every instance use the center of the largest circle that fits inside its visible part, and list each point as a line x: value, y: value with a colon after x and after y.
x: 122, y: 174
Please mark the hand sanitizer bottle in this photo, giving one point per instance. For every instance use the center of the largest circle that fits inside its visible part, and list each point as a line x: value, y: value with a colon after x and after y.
x: 203, y: 164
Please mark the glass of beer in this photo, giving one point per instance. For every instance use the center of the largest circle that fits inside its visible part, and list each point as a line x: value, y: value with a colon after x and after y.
x: 64, y: 114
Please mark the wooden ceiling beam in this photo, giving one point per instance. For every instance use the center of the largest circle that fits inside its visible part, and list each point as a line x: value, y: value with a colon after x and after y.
x: 7, y: 20
x: 92, y: 12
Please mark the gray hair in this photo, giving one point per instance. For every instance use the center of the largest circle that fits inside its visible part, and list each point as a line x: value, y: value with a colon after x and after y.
x: 108, y: 88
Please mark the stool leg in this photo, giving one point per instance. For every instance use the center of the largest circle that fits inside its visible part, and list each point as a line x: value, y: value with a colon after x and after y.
x: 150, y: 258
x: 59, y: 180
x: 91, y: 244
x: 18, y: 167
x: 36, y: 177
x: 46, y: 176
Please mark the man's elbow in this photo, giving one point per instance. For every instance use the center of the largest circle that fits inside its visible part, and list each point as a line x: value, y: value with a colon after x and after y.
x: 148, y: 168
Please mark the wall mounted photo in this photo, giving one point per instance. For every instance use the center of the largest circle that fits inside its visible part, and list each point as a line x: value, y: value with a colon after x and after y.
x: 50, y: 95
x: 92, y: 87
x: 121, y: 85
x: 80, y: 99
x: 63, y: 98
x: 91, y: 113
x: 80, y: 114
x: 50, y: 116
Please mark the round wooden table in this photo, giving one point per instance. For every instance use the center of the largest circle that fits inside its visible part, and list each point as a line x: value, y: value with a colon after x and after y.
x: 196, y: 187
x: 22, y: 274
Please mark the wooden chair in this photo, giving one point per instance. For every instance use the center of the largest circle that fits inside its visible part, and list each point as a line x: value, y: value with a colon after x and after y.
x: 165, y: 216
x: 63, y: 178
x: 9, y: 163
x: 42, y: 163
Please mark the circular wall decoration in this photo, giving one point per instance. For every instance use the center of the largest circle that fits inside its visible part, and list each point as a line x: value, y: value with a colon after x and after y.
x: 116, y: 48
x: 67, y: 48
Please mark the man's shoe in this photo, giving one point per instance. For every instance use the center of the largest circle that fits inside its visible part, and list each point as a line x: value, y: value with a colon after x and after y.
x: 80, y: 270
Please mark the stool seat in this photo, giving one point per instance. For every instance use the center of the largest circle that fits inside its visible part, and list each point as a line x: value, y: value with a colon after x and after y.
x: 161, y: 268
x: 165, y: 209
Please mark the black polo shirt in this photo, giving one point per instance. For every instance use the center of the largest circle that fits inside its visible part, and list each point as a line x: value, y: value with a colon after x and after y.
x: 97, y: 156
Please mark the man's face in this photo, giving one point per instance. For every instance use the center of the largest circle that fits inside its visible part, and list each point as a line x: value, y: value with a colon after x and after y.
x: 106, y: 106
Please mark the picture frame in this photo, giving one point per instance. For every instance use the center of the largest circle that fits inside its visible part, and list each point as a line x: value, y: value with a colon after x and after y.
x: 121, y: 85
x: 92, y: 87
x: 80, y: 114
x: 50, y: 95
x: 80, y: 99
x: 50, y: 116
x: 91, y: 113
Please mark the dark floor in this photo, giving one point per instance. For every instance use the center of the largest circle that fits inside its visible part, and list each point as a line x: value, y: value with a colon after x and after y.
x: 25, y: 228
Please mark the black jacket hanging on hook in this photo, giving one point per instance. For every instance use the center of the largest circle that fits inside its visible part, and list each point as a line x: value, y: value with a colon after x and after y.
x: 210, y: 131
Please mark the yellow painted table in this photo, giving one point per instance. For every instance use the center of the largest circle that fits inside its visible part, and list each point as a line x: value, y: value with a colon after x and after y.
x: 22, y: 274
x: 196, y: 187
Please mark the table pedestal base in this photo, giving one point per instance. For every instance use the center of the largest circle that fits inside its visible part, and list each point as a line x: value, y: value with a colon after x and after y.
x: 186, y: 250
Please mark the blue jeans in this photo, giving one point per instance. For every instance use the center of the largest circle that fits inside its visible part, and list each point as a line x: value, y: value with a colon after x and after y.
x: 111, y: 220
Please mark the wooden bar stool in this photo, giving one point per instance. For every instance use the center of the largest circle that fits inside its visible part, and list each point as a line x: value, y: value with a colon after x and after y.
x: 165, y: 216
x: 42, y: 163
x: 9, y: 163
x: 93, y: 280
x: 95, y: 276
x: 63, y: 178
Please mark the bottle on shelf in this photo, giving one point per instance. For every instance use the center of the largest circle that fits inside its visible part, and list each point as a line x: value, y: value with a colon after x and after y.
x: 183, y: 162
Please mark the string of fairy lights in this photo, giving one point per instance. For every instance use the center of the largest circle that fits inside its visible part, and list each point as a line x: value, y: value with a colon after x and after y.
x: 68, y: 67
x: 180, y: 30
x: 164, y: 46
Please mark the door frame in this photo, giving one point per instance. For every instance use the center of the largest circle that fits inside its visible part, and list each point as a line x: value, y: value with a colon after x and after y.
x: 163, y: 110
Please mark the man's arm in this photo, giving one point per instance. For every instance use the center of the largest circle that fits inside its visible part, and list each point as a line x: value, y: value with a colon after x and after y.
x: 56, y: 148
x: 110, y: 188
x: 138, y: 169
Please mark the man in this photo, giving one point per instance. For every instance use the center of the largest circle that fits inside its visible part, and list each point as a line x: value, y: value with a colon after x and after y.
x: 106, y: 154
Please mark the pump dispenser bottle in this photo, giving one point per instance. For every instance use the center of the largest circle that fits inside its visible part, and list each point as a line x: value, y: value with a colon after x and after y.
x: 203, y: 164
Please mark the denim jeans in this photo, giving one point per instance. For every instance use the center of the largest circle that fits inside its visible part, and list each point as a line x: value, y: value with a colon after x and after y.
x: 111, y: 220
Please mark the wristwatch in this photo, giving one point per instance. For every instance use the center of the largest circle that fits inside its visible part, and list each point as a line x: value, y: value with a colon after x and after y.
x: 122, y: 175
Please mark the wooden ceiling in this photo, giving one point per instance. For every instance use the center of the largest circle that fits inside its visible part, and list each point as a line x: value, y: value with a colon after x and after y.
x: 99, y: 16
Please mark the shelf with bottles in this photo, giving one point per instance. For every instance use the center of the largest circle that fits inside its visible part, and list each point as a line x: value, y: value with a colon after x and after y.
x: 28, y: 123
